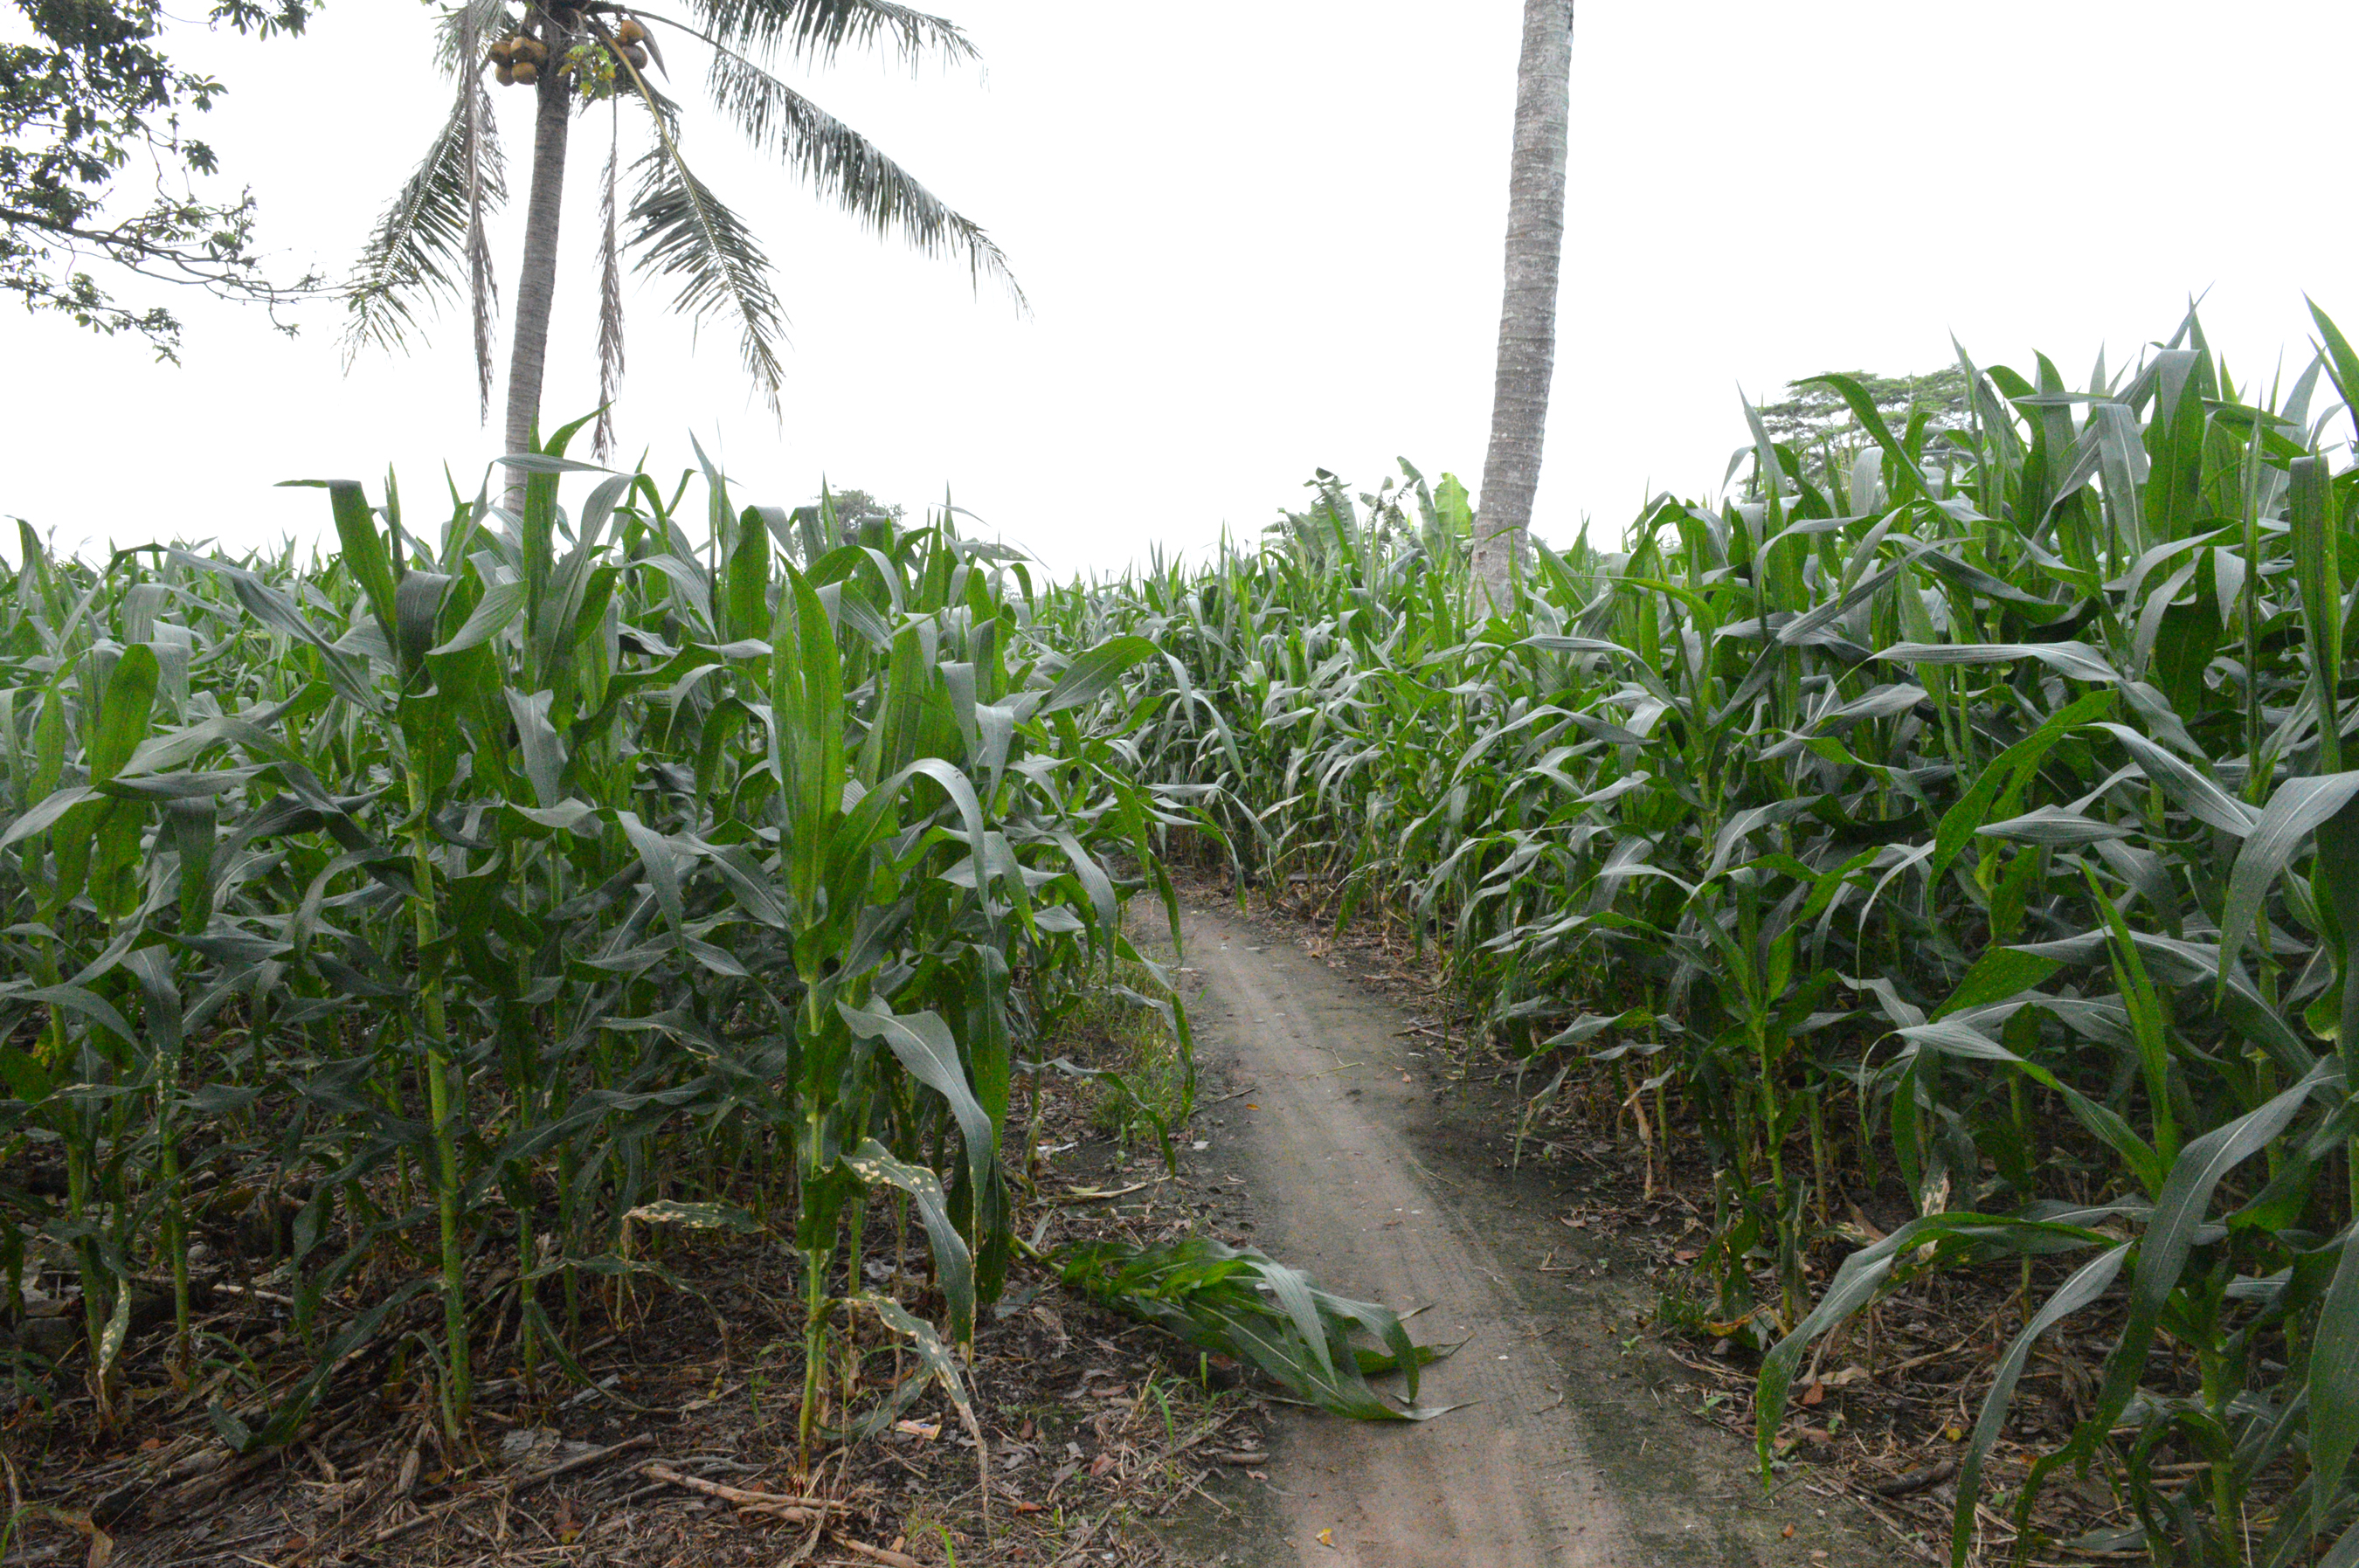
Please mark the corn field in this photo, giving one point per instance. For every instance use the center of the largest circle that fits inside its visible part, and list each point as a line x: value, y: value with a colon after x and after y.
x: 478, y: 904
x: 1957, y: 810
x: 1965, y: 809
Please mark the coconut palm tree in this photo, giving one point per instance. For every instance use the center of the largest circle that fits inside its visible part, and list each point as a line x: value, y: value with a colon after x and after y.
x: 1511, y: 469
x: 575, y: 55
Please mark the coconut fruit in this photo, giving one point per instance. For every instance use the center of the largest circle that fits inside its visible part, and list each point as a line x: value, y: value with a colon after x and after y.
x: 529, y: 51
x: 631, y: 31
x: 505, y: 74
x: 636, y: 56
x: 503, y: 51
x: 525, y: 71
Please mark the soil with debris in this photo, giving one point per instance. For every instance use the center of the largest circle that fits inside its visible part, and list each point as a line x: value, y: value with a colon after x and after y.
x: 1595, y: 1218
x: 1338, y: 1086
x: 677, y: 1443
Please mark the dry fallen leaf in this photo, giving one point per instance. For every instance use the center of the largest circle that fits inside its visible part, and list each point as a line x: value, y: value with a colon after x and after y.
x: 1816, y: 1394
x: 1327, y: 1537
x: 1787, y: 1533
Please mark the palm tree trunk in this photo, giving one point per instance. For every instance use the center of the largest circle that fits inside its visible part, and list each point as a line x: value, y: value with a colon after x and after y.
x: 537, y: 283
x: 1511, y: 471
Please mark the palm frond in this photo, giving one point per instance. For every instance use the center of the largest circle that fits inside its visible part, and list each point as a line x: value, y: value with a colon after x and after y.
x: 460, y: 32
x: 813, y: 30
x: 610, y: 298
x: 848, y: 169
x: 683, y: 231
x: 429, y: 230
x: 482, y: 291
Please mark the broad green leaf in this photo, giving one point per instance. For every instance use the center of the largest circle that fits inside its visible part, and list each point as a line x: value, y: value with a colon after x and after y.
x: 954, y: 1262
x: 2293, y: 812
x: 2334, y: 1382
x: 1093, y: 674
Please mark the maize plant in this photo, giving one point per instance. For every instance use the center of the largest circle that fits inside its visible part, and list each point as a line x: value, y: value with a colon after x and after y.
x: 455, y: 904
x: 1960, y: 808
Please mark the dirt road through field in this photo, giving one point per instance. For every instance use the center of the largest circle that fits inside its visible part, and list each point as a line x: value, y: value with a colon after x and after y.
x: 1322, y: 1127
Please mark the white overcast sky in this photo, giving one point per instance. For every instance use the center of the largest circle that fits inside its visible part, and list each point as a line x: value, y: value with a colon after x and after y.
x: 1263, y: 238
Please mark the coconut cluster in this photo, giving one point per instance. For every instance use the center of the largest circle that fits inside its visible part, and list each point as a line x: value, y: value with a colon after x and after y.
x: 521, y: 61
x: 518, y: 59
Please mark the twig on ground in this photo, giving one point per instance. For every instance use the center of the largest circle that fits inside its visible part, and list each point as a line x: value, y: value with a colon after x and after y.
x: 521, y: 1483
x: 1915, y: 1480
x: 795, y: 1510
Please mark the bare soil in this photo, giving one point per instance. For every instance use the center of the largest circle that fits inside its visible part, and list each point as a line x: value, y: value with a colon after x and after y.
x: 1346, y: 1142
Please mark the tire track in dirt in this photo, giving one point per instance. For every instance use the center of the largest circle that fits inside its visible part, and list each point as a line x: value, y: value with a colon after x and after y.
x: 1506, y: 1482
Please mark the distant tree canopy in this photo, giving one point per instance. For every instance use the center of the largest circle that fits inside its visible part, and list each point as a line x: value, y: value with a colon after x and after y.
x: 854, y: 505
x: 854, y: 510
x: 1815, y: 418
x: 92, y: 96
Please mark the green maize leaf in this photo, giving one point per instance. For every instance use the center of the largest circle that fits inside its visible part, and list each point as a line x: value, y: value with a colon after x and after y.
x: 1908, y: 480
x: 1957, y: 1036
x: 2179, y: 1211
x: 2088, y: 1282
x: 418, y: 604
x: 547, y: 463
x: 79, y: 999
x: 922, y: 1044
x: 1861, y: 1277
x: 1093, y: 674
x: 2334, y: 1382
x: 954, y: 1263
x: 696, y: 1217
x: 45, y: 814
x: 937, y: 1359
x: 2076, y: 661
x: 1998, y: 974
x: 364, y: 555
x: 125, y: 711
x: 2005, y: 778
x: 2340, y: 360
x: 544, y: 750
x: 2146, y: 1026
x: 2189, y: 786
x: 2054, y: 827
x: 1242, y: 1304
x: 2294, y: 811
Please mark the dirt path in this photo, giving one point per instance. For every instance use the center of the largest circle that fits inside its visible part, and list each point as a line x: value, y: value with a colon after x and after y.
x: 1496, y: 1483
x: 1330, y: 1127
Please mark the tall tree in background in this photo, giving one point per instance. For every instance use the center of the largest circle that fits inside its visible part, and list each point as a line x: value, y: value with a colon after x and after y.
x: 85, y: 102
x: 430, y: 245
x: 1511, y: 469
